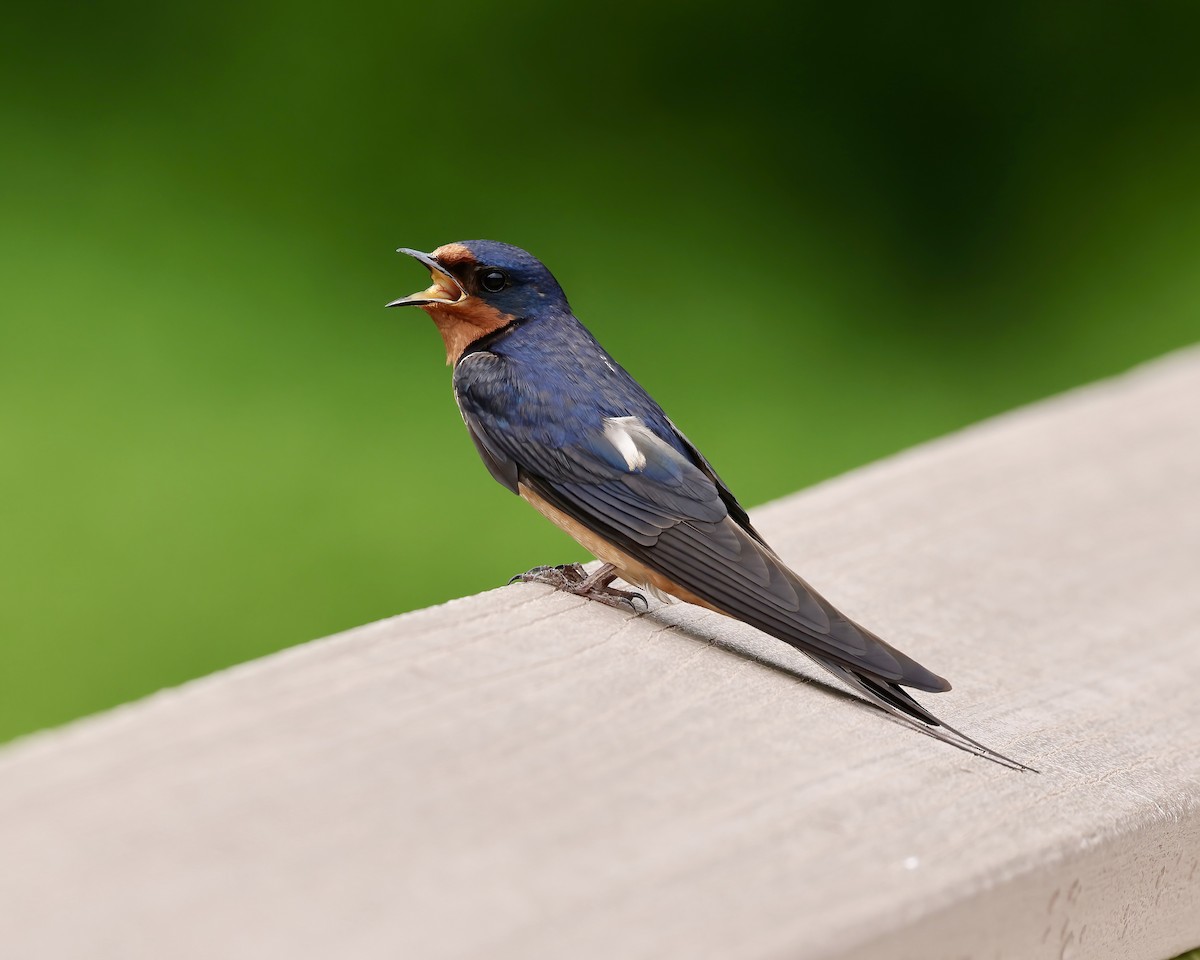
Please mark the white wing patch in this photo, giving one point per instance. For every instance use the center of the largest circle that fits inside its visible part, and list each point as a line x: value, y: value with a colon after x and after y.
x: 623, y: 433
x: 636, y: 443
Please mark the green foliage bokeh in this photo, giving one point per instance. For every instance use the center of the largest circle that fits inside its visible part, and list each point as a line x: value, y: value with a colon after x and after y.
x: 818, y: 234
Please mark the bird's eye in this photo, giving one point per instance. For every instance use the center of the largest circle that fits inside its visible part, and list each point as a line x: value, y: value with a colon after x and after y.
x: 493, y: 281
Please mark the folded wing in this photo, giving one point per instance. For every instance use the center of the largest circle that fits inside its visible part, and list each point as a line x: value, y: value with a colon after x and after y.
x: 662, y: 504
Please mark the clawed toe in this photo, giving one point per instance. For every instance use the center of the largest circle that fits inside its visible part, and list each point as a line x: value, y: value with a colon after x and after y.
x: 612, y: 597
x: 535, y: 575
x: 561, y: 577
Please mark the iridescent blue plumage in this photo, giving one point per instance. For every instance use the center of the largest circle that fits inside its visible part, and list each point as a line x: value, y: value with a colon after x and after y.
x: 557, y: 420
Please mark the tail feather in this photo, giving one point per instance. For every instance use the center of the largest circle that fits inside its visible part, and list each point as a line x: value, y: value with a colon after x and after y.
x: 892, y: 699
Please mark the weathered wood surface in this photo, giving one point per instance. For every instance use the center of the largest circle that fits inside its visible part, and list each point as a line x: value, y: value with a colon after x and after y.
x: 523, y: 774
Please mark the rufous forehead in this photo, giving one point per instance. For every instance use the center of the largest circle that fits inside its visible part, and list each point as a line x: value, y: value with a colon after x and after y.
x: 453, y: 254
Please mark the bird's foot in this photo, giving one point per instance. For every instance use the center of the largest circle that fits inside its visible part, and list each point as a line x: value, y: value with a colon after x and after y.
x: 561, y: 577
x: 600, y: 591
x: 572, y: 578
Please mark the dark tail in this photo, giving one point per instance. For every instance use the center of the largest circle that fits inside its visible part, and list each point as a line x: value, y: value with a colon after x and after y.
x: 892, y: 698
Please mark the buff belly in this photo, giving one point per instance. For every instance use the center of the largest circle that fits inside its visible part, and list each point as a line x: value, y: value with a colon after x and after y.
x: 629, y: 568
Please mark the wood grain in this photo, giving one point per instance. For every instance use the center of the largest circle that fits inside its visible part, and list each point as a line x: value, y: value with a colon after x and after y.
x: 524, y: 774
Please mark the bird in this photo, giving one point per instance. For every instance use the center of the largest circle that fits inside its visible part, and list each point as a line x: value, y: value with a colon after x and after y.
x: 557, y: 421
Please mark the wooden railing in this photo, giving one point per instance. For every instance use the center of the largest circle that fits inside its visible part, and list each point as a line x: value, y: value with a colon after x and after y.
x: 524, y: 774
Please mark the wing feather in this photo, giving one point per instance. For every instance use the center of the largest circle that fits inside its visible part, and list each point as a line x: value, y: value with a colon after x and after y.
x: 649, y: 492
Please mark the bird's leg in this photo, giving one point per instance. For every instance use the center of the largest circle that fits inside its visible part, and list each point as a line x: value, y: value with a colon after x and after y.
x: 572, y: 578
x: 596, y: 587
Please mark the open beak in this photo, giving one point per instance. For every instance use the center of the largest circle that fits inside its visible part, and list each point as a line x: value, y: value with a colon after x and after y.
x: 445, y: 288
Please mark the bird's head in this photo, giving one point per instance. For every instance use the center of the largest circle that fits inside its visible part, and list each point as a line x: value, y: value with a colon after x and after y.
x: 479, y: 287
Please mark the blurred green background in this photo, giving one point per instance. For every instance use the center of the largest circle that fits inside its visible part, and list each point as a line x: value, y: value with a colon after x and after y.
x: 817, y: 233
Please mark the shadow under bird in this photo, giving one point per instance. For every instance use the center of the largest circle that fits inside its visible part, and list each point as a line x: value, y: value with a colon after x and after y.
x: 560, y: 423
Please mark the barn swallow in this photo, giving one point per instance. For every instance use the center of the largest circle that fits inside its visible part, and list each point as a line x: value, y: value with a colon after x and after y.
x: 559, y: 423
